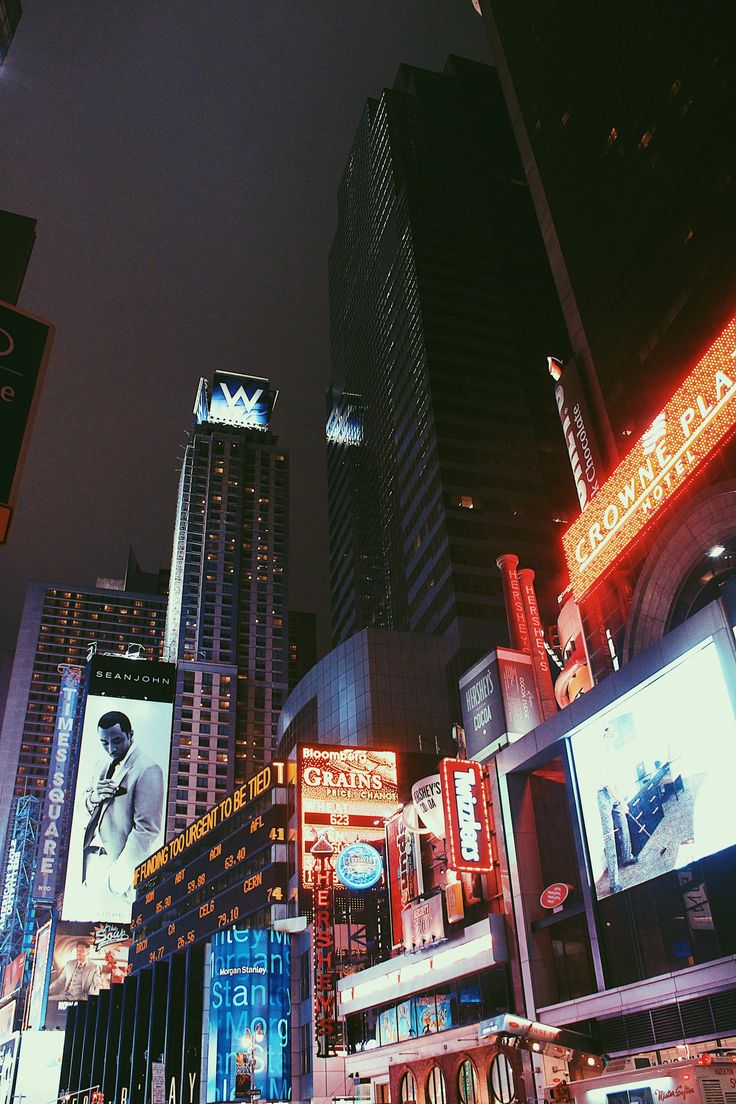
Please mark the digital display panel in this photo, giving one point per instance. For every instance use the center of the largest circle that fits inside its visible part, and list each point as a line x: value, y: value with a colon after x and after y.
x: 249, y: 1049
x: 700, y: 416
x: 122, y: 781
x: 655, y: 773
x: 86, y: 959
x: 241, y: 400
x: 203, y: 881
x: 347, y: 795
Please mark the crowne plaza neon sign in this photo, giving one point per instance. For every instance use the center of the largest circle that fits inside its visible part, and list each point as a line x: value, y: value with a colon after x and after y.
x: 698, y: 418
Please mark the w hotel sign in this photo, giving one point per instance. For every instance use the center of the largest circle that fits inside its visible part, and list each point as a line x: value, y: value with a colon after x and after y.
x: 699, y: 417
x: 25, y: 343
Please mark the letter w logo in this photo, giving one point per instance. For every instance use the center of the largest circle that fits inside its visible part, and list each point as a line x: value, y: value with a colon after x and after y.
x: 241, y: 395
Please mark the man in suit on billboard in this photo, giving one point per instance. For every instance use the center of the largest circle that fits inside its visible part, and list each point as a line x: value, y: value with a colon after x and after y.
x: 125, y: 800
x: 79, y: 978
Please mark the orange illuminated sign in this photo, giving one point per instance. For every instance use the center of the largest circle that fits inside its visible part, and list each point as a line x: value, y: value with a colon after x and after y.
x: 346, y: 796
x: 699, y: 417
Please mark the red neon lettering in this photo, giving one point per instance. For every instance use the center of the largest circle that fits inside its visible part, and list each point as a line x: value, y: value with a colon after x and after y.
x: 700, y: 416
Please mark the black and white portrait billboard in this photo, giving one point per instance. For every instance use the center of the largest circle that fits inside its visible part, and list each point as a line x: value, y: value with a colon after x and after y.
x: 122, y: 781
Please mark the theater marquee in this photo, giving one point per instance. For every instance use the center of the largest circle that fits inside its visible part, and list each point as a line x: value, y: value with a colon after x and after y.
x: 699, y: 417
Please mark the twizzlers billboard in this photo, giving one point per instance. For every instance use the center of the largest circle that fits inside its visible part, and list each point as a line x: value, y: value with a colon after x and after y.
x: 699, y: 417
x: 466, y: 816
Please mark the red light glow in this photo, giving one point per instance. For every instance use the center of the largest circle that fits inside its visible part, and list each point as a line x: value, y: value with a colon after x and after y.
x: 466, y: 816
x: 699, y: 417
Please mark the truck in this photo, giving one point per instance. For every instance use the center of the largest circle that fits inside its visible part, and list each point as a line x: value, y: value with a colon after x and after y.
x: 708, y: 1079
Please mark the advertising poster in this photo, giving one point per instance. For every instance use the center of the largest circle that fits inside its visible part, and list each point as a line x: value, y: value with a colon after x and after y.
x: 86, y: 958
x: 8, y: 1066
x: 423, y: 923
x: 499, y: 701
x: 13, y: 975
x: 347, y: 795
x: 39, y: 979
x: 249, y: 1051
x: 655, y: 773
x: 467, y: 819
x: 122, y: 780
x: 403, y: 871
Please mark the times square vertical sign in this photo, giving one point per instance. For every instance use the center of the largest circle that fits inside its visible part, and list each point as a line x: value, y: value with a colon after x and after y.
x: 57, y: 803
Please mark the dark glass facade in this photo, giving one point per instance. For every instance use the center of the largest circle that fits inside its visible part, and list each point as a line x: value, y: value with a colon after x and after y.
x: 10, y: 13
x: 629, y: 152
x: 442, y: 311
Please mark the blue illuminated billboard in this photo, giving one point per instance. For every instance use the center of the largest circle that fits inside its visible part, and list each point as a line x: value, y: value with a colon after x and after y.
x: 241, y: 400
x: 249, y: 1016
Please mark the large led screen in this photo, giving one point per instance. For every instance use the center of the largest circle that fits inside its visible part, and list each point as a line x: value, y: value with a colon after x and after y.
x: 655, y: 773
x: 122, y: 777
x: 86, y: 959
x: 347, y: 795
x: 249, y: 1052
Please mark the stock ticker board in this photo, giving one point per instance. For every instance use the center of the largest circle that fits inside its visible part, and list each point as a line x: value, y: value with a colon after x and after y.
x: 213, y: 874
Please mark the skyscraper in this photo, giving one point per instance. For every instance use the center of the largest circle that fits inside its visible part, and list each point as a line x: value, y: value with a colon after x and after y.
x: 59, y: 624
x: 227, y: 625
x: 10, y: 13
x: 440, y: 453
x: 626, y: 132
x: 626, y: 128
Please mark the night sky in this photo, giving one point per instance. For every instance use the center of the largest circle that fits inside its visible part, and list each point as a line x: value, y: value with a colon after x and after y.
x: 182, y: 159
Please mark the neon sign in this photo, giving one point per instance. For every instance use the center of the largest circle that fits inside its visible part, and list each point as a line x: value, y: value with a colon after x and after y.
x: 466, y: 816
x: 359, y: 866
x: 346, y: 796
x: 700, y: 416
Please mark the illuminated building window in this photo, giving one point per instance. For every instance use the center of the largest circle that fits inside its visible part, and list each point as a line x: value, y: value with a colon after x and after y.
x: 466, y: 502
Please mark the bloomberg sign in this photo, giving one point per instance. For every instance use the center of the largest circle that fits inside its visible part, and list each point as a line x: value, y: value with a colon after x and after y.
x: 466, y: 816
x: 699, y: 417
